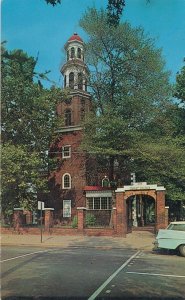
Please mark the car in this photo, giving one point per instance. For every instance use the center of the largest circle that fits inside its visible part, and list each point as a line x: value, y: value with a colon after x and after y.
x: 171, y: 238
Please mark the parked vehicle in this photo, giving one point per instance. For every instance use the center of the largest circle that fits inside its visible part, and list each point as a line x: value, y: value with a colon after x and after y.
x: 172, y: 238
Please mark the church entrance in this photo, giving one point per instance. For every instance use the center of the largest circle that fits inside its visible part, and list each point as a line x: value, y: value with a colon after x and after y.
x: 140, y: 206
x: 140, y: 211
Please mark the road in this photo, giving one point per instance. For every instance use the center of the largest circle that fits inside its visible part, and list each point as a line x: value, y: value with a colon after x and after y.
x: 90, y: 273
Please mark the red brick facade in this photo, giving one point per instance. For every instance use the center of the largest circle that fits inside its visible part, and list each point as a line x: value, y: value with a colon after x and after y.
x: 73, y: 173
x: 76, y: 166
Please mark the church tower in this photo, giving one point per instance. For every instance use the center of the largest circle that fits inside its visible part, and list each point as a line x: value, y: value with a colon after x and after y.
x: 71, y: 175
x: 75, y: 71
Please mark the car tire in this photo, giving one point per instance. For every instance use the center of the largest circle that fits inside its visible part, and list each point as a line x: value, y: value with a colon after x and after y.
x: 182, y: 250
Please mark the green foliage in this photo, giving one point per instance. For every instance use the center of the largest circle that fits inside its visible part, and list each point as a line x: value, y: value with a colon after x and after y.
x: 20, y: 178
x: 75, y: 222
x: 28, y: 110
x: 115, y: 9
x: 90, y: 220
x: 127, y: 72
x: 180, y: 85
x: 136, y: 122
x: 162, y: 161
x: 28, y: 129
x: 179, y: 93
x: 53, y: 2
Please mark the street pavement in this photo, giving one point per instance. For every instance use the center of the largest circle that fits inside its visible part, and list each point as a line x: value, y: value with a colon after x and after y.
x: 37, y: 273
x: 138, y: 240
x: 82, y: 267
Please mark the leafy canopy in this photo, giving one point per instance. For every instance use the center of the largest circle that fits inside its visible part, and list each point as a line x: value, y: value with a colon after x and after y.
x: 53, y: 2
x: 131, y: 91
x: 28, y: 129
x: 114, y: 11
x: 180, y: 85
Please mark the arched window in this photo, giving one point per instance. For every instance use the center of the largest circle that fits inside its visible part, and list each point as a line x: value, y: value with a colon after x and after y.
x: 71, y: 80
x: 67, y: 117
x: 66, y: 181
x: 79, y: 53
x: 105, y: 182
x: 80, y: 81
x: 72, y: 52
x: 65, y: 81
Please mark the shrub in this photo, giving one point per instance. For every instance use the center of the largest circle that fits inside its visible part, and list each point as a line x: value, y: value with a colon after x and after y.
x: 75, y: 222
x: 90, y: 220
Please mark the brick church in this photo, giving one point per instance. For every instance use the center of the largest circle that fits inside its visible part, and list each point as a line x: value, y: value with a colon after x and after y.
x: 76, y: 182
x: 76, y: 177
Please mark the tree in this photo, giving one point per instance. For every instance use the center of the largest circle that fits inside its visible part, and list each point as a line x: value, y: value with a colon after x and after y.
x: 28, y: 110
x: 20, y: 178
x: 53, y: 2
x: 179, y: 93
x: 28, y: 128
x: 131, y: 94
x: 115, y: 9
x: 180, y: 85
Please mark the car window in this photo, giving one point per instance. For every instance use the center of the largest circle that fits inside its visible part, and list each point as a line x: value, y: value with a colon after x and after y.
x: 179, y: 227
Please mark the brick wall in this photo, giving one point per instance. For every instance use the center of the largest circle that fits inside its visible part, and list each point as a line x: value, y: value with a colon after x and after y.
x: 121, y: 220
x: 160, y: 210
x: 62, y: 231
x: 76, y: 105
x: 76, y: 167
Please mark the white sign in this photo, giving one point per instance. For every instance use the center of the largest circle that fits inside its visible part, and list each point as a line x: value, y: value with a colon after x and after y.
x: 40, y: 205
x: 66, y: 208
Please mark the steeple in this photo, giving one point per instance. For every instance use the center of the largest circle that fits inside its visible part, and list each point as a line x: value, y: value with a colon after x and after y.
x: 75, y: 71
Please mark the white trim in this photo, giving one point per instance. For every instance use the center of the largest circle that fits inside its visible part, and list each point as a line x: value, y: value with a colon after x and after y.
x: 138, y: 187
x: 109, y: 207
x: 81, y: 208
x: 66, y: 188
x: 99, y: 194
x: 65, y: 209
x: 69, y: 128
x: 63, y: 156
x: 107, y: 180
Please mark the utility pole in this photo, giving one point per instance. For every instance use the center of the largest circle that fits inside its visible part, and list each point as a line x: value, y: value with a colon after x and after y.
x: 41, y: 208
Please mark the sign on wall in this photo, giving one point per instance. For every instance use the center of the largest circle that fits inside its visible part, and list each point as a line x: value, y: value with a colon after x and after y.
x: 66, y: 208
x: 40, y: 205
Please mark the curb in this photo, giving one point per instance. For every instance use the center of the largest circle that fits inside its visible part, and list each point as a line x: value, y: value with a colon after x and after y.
x: 75, y: 247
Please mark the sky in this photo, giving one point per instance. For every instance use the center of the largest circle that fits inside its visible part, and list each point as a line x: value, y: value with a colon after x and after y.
x: 42, y: 30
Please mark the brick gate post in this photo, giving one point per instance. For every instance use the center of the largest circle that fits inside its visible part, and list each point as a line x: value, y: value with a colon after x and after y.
x: 160, y: 209
x: 81, y: 218
x: 17, y: 219
x: 48, y: 218
x: 114, y: 219
x: 28, y: 216
x: 121, y: 228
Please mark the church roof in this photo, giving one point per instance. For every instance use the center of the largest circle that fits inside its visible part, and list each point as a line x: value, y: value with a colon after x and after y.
x: 75, y: 37
x: 96, y: 188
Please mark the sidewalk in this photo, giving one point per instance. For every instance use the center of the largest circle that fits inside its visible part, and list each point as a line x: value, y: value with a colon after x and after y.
x: 136, y: 240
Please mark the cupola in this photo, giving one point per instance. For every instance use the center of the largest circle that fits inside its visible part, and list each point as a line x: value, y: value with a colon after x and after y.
x: 75, y: 71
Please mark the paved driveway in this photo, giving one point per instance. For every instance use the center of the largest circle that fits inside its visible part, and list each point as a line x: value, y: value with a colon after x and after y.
x: 89, y: 273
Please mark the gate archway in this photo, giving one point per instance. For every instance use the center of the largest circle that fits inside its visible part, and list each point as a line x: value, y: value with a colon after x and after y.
x: 140, y: 211
x: 140, y: 204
